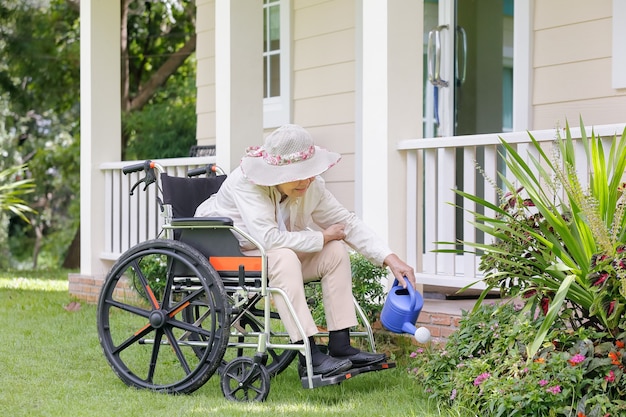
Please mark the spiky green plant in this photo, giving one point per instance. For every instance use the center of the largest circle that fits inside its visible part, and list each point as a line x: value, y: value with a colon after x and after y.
x: 547, y: 250
x: 12, y: 188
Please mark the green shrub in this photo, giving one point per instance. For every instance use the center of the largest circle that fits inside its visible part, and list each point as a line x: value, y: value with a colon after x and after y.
x: 483, y: 368
x: 366, y: 288
x: 153, y: 267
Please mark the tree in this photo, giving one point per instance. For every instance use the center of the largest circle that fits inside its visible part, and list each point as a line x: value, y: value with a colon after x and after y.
x: 158, y: 74
x: 39, y: 71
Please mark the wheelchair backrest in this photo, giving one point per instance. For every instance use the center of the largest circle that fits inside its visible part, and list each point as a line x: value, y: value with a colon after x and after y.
x: 186, y: 194
x: 210, y: 236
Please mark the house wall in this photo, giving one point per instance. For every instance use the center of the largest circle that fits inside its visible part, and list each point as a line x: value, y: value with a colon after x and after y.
x: 323, y: 86
x: 572, y: 64
x: 324, y: 83
x: 205, y: 72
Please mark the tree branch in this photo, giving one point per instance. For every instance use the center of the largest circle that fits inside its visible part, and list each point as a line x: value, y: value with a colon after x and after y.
x: 159, y: 78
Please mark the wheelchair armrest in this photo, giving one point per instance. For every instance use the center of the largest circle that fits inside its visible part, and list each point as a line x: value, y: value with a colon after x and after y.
x: 202, y: 221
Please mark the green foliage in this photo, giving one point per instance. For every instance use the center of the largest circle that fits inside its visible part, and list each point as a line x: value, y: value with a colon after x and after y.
x: 12, y: 191
x: 483, y: 368
x: 166, y: 127
x: 549, y: 230
x: 154, y: 270
x: 163, y: 125
x: 558, y: 251
x: 40, y: 72
x: 366, y: 288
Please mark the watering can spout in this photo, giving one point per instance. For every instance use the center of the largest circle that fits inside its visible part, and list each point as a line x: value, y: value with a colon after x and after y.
x: 421, y: 334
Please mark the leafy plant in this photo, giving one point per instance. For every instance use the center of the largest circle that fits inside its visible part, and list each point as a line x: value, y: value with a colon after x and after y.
x: 366, y: 288
x: 549, y: 230
x: 483, y: 368
x: 12, y: 189
x: 153, y: 267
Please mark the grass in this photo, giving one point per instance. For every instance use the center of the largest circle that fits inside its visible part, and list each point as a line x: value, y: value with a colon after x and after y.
x: 51, y: 364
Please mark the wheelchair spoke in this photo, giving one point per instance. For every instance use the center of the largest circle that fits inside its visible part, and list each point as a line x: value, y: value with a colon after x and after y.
x: 133, y: 339
x: 155, y: 355
x: 144, y: 282
x: 177, y: 350
x: 191, y: 329
x: 128, y: 308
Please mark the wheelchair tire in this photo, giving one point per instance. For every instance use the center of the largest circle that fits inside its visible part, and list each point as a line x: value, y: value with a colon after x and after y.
x: 141, y: 317
x: 244, y: 380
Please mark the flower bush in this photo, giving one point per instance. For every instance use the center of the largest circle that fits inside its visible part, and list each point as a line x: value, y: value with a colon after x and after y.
x: 558, y: 250
x: 483, y: 369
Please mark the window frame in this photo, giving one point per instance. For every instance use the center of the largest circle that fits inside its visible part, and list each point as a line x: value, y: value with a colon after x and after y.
x: 277, y: 110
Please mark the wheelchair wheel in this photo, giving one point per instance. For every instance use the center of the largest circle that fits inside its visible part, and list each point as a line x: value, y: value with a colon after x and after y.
x: 141, y: 317
x: 244, y: 380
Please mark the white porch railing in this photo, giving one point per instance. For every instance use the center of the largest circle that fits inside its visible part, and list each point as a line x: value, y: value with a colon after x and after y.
x: 435, y: 167
x: 132, y: 219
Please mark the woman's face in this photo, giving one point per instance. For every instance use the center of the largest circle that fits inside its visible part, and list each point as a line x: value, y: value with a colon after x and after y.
x: 295, y: 188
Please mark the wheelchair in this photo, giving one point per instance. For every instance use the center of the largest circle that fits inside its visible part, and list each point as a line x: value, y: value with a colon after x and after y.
x: 175, y: 310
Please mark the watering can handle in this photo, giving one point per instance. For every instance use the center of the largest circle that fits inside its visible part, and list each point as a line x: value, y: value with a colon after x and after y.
x: 411, y: 290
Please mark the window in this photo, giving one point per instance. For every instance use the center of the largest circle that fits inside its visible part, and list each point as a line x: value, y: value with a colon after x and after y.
x: 276, y: 60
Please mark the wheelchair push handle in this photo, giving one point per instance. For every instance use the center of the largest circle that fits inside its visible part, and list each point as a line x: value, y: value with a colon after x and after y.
x: 147, y: 166
x: 142, y: 166
x: 210, y: 170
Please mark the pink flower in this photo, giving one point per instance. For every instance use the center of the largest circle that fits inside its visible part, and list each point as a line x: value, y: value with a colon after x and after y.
x: 453, y: 395
x: 554, y: 390
x: 576, y: 359
x: 610, y: 377
x: 543, y: 382
x: 482, y: 378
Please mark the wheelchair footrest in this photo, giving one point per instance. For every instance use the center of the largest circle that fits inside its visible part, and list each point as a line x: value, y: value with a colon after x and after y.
x: 320, y: 381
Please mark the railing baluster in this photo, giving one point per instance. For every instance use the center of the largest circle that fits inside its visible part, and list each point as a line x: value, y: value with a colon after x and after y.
x: 133, y: 219
x: 432, y: 209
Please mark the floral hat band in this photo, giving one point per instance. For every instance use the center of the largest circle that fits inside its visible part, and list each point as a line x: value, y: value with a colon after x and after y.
x: 287, y: 155
x: 258, y: 151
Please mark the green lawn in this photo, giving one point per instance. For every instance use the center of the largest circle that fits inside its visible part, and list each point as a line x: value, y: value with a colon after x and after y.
x: 51, y: 364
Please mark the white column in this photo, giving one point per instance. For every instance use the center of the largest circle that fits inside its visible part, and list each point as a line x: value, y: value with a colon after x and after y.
x: 390, y: 109
x: 238, y: 79
x: 100, y: 121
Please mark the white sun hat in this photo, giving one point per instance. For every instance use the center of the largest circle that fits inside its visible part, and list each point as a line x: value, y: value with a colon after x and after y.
x: 288, y: 154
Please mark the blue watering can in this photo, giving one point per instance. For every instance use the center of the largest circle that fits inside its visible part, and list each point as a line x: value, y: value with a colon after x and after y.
x: 400, y: 312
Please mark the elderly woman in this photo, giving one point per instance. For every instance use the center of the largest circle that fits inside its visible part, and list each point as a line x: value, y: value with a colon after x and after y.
x: 277, y: 196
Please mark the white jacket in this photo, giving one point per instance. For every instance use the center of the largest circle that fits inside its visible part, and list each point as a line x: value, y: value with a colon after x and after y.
x: 255, y: 210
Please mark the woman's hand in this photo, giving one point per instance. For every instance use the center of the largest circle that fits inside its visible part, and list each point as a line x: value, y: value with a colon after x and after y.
x: 334, y: 232
x: 401, y: 270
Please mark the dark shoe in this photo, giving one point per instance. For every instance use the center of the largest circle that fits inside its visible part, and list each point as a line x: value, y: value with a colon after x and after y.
x: 361, y: 358
x: 330, y: 366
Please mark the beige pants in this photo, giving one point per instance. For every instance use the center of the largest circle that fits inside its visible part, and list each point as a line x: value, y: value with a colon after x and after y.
x: 289, y: 271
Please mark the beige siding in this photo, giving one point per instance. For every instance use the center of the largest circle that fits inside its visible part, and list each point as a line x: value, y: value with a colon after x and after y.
x: 314, y: 18
x: 205, y: 78
x: 561, y: 13
x: 594, y: 112
x: 572, y: 43
x: 324, y: 83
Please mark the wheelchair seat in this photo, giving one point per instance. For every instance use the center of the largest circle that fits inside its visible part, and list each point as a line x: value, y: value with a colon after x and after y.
x: 220, y: 247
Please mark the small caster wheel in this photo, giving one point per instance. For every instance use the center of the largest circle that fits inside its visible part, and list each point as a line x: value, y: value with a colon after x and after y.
x: 244, y: 380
